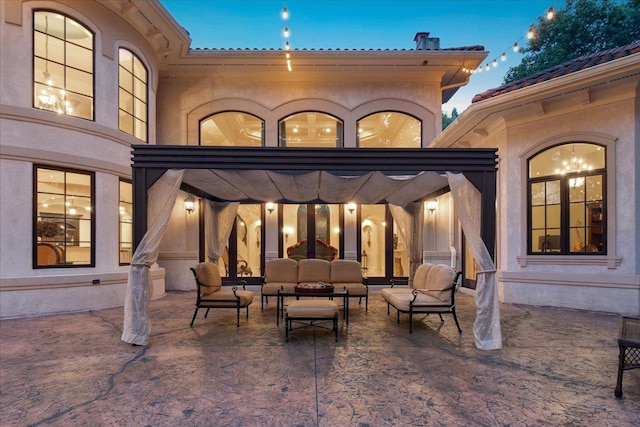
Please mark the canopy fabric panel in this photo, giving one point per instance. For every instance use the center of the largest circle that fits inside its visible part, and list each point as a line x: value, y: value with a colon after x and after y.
x: 316, y: 186
x: 162, y: 197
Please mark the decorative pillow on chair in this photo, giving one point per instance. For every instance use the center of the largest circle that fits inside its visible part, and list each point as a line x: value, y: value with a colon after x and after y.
x: 209, y: 278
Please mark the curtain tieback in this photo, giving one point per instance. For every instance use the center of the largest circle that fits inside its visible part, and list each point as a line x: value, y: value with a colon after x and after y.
x: 486, y: 271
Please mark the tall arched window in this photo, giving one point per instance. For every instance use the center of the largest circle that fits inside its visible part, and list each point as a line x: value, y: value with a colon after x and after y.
x: 232, y: 128
x: 62, y: 65
x: 567, y: 200
x: 311, y: 129
x: 132, y: 95
x: 389, y: 129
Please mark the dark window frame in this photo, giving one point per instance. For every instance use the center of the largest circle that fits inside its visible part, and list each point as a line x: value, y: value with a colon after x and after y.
x: 561, y: 246
x: 34, y: 238
x: 146, y: 103
x: 93, y: 63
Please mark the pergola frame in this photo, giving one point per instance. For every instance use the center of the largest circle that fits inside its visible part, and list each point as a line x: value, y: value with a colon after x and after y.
x: 479, y: 166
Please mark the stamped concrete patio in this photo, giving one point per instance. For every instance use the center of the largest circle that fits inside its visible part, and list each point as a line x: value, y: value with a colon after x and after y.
x: 557, y: 367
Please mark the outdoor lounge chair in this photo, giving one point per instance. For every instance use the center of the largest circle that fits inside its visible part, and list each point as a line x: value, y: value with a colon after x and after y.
x: 211, y: 295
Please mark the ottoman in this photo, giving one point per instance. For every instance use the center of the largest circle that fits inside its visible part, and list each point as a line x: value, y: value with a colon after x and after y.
x: 311, y: 310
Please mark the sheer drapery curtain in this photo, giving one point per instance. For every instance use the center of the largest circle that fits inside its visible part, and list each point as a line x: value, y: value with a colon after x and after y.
x: 161, y: 200
x: 219, y: 218
x: 467, y: 201
x: 410, y: 221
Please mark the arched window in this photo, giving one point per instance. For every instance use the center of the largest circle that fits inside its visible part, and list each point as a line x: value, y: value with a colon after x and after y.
x: 311, y: 129
x: 132, y: 95
x: 232, y: 128
x: 389, y: 129
x: 567, y: 200
x: 62, y: 65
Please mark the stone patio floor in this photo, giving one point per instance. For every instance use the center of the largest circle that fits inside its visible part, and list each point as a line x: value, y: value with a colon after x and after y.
x: 557, y: 368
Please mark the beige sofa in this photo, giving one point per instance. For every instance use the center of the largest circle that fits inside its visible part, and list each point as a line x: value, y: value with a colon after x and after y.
x: 433, y: 291
x: 285, y: 273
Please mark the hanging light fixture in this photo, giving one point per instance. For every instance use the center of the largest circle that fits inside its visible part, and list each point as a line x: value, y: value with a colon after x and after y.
x: 574, y: 165
x: 48, y: 99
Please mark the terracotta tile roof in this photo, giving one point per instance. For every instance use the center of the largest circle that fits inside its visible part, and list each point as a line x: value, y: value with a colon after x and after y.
x: 461, y: 48
x: 577, y: 64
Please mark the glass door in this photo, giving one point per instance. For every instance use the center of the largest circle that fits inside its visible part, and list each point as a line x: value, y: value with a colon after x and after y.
x: 322, y: 221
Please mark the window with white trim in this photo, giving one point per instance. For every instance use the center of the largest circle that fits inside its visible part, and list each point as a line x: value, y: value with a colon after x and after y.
x: 62, y: 65
x: 132, y: 95
x: 567, y: 200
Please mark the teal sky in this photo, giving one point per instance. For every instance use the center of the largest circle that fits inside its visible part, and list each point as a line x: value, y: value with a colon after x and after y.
x: 372, y: 24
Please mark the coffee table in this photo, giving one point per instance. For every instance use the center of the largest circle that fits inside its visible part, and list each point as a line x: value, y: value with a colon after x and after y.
x: 344, y: 294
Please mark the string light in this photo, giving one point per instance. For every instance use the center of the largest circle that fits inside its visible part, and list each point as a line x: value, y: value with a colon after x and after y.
x: 286, y: 33
x: 530, y: 35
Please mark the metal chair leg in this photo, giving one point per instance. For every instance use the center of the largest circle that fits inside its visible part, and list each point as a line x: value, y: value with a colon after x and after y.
x: 194, y: 317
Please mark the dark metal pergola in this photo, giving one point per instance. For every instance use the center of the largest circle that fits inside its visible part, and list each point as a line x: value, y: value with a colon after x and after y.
x: 478, y: 165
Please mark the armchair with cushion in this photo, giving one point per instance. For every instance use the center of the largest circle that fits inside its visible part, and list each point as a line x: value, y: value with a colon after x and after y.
x: 433, y: 291
x: 211, y: 295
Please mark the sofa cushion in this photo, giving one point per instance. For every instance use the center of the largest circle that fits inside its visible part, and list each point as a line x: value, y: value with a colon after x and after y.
x: 346, y: 271
x: 439, y: 282
x: 400, y: 300
x: 420, y: 278
x: 355, y: 289
x: 209, y: 277
x: 272, y: 288
x: 388, y: 293
x: 224, y: 298
x: 314, y: 271
x: 284, y: 270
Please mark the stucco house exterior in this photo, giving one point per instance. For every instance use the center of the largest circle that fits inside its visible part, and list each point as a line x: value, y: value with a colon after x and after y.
x: 586, y: 109
x: 82, y: 83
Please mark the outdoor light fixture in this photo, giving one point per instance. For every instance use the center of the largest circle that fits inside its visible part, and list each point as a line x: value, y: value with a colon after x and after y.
x: 432, y: 205
x: 286, y: 231
x: 189, y: 203
x: 351, y: 207
x: 270, y: 207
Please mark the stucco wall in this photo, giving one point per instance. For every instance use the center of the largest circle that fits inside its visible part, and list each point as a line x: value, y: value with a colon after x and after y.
x: 602, y: 282
x: 31, y: 136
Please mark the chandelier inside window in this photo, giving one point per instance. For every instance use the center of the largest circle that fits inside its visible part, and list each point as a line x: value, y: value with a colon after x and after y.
x: 574, y: 165
x: 50, y: 98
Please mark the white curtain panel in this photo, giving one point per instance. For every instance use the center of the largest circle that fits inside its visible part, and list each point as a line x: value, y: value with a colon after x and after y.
x: 162, y: 197
x: 467, y: 201
x: 218, y: 219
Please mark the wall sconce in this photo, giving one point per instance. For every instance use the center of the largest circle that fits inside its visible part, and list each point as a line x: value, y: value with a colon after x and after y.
x: 286, y: 231
x: 189, y: 203
x: 351, y: 207
x: 432, y: 205
x: 270, y: 207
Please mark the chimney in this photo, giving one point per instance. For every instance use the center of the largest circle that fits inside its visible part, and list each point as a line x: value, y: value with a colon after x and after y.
x: 424, y: 42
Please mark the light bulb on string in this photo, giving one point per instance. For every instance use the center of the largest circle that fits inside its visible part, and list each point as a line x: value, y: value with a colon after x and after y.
x: 531, y: 33
x: 515, y: 47
x: 495, y: 63
x: 503, y: 57
x: 285, y: 13
x: 286, y: 32
x: 550, y: 14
